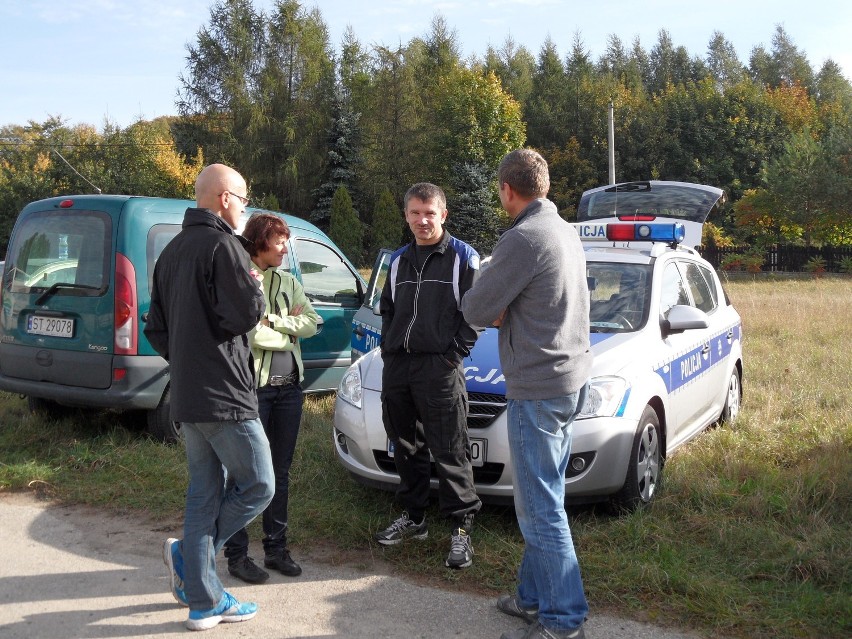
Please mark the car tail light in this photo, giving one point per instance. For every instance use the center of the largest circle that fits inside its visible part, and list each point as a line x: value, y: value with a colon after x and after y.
x: 126, y: 326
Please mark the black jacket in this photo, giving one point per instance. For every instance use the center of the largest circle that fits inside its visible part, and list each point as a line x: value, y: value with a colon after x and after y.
x: 421, y: 311
x: 203, y: 303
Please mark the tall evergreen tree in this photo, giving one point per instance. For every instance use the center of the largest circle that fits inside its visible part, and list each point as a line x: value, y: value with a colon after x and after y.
x: 343, y: 147
x: 514, y: 66
x: 472, y: 215
x: 545, y: 112
x: 722, y: 62
x: 388, y: 222
x: 345, y: 228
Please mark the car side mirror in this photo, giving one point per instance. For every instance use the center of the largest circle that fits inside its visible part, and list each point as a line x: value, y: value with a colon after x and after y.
x: 681, y: 317
x: 376, y: 307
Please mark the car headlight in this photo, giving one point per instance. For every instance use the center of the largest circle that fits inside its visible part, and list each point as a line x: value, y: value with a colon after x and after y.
x: 349, y: 388
x: 607, y: 397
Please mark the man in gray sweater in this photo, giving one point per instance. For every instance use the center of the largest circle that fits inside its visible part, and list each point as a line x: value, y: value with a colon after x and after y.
x: 535, y: 291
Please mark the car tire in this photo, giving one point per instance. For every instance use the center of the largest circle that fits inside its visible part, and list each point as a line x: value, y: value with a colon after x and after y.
x: 160, y: 425
x: 733, y: 399
x: 645, y: 466
x: 48, y: 408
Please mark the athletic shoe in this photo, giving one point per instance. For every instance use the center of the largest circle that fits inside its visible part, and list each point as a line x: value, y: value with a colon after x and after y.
x: 509, y: 604
x: 229, y: 610
x: 461, y: 550
x: 402, y: 529
x: 174, y: 562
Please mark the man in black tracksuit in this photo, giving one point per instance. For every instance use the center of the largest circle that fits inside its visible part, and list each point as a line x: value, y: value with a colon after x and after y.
x: 424, y: 402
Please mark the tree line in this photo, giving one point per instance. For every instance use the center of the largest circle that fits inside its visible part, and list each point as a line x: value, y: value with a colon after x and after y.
x: 337, y: 134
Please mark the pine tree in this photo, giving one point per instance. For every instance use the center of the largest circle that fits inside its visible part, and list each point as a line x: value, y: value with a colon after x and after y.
x: 472, y: 215
x: 342, y: 157
x: 345, y: 227
x: 387, y: 224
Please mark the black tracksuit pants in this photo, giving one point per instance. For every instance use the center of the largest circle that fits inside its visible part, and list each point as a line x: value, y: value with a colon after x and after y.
x: 424, y: 408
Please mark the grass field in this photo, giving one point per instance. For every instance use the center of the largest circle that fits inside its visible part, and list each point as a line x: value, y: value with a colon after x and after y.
x: 750, y: 535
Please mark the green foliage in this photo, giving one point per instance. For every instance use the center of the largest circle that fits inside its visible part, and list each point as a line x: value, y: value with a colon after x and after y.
x: 846, y: 264
x: 345, y: 228
x: 388, y: 221
x: 47, y: 159
x: 475, y: 122
x: 750, y: 262
x: 815, y: 265
x: 472, y: 210
x: 342, y: 160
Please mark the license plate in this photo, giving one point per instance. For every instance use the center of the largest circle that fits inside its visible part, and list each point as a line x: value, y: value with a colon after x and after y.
x: 478, y: 449
x: 53, y: 326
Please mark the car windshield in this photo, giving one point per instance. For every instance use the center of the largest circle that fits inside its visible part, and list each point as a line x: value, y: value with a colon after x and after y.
x: 619, y: 295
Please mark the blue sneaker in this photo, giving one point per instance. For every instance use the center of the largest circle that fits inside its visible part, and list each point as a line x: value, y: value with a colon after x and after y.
x: 174, y: 562
x: 229, y: 610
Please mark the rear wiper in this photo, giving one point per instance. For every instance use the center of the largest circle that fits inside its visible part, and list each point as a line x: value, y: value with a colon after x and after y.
x: 63, y: 285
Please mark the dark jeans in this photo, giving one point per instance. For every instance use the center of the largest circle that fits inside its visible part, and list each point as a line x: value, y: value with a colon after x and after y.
x: 280, y: 409
x: 431, y: 389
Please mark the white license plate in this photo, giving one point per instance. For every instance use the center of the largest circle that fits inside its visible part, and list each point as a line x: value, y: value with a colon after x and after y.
x: 478, y: 449
x: 53, y: 326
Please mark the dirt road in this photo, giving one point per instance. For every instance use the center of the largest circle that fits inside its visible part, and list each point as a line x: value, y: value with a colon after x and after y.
x: 75, y: 572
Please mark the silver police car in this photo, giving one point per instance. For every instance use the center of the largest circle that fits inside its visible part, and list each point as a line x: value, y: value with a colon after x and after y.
x: 667, y: 347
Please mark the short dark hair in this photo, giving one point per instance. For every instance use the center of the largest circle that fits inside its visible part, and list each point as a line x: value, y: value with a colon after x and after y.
x: 426, y: 191
x: 526, y: 172
x: 261, y: 228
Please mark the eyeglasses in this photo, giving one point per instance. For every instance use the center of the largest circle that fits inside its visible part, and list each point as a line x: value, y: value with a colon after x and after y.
x: 241, y: 198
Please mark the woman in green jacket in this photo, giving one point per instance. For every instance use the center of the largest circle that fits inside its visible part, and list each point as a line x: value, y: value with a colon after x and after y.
x: 279, y: 373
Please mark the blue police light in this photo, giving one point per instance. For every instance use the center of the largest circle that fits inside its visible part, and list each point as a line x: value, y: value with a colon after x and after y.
x: 630, y: 232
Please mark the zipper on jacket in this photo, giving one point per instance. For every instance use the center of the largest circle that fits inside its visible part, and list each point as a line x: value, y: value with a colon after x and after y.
x: 416, y: 297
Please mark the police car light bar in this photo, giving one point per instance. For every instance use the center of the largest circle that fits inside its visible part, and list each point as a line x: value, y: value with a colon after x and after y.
x: 628, y: 232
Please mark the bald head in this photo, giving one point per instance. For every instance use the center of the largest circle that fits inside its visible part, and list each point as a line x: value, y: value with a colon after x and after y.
x: 215, y: 189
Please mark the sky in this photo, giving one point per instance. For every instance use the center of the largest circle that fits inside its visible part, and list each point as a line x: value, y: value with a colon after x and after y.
x: 93, y: 61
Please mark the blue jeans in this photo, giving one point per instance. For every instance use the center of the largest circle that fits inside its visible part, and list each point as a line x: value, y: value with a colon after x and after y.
x: 540, y: 443
x: 280, y: 410
x: 214, y: 512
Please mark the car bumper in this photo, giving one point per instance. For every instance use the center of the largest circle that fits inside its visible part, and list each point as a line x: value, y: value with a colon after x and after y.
x: 603, y: 445
x: 141, y: 388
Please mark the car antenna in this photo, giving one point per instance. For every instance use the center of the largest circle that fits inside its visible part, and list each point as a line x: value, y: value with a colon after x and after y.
x: 97, y: 190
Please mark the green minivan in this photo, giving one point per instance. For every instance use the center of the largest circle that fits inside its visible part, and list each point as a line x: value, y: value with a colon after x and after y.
x: 76, y: 291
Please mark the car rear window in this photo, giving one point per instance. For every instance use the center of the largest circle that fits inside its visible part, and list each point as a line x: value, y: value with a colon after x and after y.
x: 68, y: 251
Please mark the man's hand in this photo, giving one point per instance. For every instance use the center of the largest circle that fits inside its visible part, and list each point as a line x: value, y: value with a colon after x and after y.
x: 499, y: 321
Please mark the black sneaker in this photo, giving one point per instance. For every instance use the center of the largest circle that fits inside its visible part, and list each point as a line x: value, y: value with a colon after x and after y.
x: 245, y: 569
x: 284, y: 563
x: 403, y: 528
x: 461, y: 550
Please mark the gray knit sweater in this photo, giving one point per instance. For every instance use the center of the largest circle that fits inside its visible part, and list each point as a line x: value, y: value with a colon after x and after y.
x: 538, y: 273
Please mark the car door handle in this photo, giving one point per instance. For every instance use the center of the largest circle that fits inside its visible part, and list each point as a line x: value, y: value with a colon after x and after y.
x: 706, y: 348
x: 359, y: 331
